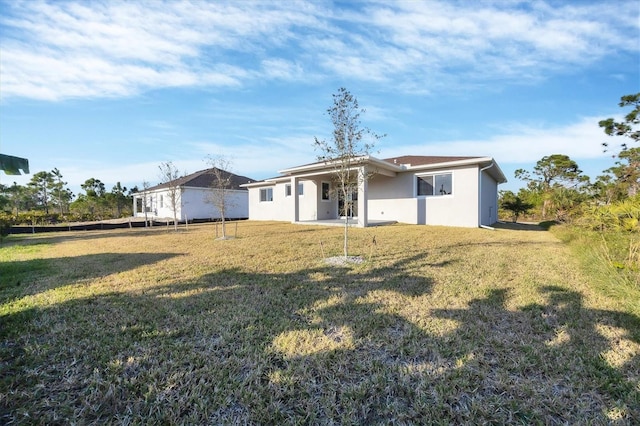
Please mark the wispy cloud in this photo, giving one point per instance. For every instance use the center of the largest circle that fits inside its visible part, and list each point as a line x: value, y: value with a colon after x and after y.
x: 59, y: 50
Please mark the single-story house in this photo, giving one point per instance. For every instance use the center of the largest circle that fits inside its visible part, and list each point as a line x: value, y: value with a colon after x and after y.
x: 430, y: 190
x: 196, y: 195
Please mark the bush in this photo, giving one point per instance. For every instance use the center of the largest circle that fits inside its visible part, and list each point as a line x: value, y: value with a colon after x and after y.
x: 5, y: 227
x: 623, y: 216
x: 611, y: 256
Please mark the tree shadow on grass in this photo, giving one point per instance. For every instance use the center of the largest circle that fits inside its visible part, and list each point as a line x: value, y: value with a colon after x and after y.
x: 323, y: 345
x: 21, y: 278
x: 544, y: 363
x: 77, y: 235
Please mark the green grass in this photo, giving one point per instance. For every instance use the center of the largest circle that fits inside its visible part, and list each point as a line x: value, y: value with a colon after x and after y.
x: 439, y: 325
x: 612, y: 261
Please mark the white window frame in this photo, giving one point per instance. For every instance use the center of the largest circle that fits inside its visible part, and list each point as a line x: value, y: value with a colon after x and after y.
x: 287, y: 190
x: 300, y: 189
x: 434, y: 174
x: 268, y: 195
x: 322, y: 191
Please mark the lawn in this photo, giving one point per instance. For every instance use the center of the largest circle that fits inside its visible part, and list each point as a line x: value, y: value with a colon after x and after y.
x: 438, y: 325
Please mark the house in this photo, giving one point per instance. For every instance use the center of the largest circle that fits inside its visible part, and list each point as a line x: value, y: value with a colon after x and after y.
x: 430, y: 190
x: 195, y: 198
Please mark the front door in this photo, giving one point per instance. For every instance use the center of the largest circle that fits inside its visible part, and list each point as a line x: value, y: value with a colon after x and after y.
x: 351, y: 207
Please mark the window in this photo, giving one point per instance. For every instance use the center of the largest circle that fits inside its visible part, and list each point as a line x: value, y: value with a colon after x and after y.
x: 435, y: 184
x: 287, y: 189
x: 326, y: 188
x: 161, y: 201
x: 266, y: 194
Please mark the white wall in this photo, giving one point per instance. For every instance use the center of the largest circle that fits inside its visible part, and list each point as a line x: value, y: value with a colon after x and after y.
x: 327, y: 209
x: 394, y: 198
x: 279, y: 209
x: 390, y: 188
x: 391, y: 198
x: 459, y: 208
x: 197, y: 203
x: 194, y: 203
x: 403, y: 210
x: 489, y: 200
x: 310, y: 204
x: 161, y: 204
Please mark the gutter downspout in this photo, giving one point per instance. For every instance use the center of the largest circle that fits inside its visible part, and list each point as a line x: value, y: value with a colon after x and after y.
x: 480, y: 198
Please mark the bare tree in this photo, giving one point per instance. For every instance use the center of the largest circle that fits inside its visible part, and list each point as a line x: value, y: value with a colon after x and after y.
x: 169, y: 175
x: 220, y: 187
x: 346, y: 151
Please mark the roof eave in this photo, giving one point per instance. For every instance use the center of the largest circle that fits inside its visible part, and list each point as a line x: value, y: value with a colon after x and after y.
x: 329, y: 165
x: 479, y: 161
x: 456, y: 163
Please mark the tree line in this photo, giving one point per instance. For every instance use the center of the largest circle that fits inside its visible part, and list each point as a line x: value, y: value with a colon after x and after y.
x: 557, y: 190
x: 46, y: 199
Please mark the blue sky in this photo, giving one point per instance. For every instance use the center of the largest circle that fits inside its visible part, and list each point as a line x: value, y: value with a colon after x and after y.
x: 111, y: 89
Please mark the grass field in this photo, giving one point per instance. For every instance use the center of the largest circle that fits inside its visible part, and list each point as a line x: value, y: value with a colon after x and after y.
x: 438, y: 325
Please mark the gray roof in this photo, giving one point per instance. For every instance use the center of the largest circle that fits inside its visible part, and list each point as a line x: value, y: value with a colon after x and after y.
x: 206, y: 179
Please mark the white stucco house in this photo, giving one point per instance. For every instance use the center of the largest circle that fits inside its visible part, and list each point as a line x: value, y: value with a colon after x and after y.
x: 430, y: 190
x: 195, y: 198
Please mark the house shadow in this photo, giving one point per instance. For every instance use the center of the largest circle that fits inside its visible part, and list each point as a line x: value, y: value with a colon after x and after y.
x: 322, y: 345
x: 518, y: 226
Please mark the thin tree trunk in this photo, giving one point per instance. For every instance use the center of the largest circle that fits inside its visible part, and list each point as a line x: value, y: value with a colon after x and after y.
x: 347, y: 210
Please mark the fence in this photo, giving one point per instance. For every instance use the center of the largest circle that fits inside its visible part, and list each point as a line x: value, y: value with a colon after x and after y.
x: 101, y: 226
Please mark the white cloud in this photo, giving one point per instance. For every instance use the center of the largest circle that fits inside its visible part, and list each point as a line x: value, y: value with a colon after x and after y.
x: 522, y: 144
x: 282, y: 69
x: 262, y: 157
x: 57, y: 50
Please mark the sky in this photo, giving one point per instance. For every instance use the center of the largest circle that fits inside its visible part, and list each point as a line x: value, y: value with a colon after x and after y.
x: 111, y: 89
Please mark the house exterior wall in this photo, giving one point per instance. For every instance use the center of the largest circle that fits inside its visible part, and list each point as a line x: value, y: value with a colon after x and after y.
x: 197, y: 203
x: 403, y: 210
x: 395, y: 198
x: 279, y: 209
x: 160, y: 203
x: 311, y: 205
x: 391, y: 198
x: 459, y: 208
x: 327, y: 209
x: 488, y: 208
x: 193, y: 203
x: 308, y: 200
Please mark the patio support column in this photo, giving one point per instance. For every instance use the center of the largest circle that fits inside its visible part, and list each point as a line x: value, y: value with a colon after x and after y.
x: 296, y: 199
x: 363, y: 202
x: 135, y: 205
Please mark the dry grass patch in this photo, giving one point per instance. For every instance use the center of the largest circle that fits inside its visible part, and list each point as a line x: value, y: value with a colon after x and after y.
x: 444, y: 325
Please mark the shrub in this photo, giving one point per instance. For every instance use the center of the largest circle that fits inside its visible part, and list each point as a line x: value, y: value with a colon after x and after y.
x: 620, y: 216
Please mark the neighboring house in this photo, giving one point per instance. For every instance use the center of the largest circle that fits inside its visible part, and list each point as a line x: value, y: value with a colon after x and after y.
x: 195, y: 198
x: 451, y: 191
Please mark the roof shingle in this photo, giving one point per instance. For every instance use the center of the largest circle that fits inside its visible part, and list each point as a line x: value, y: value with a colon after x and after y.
x: 206, y: 179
